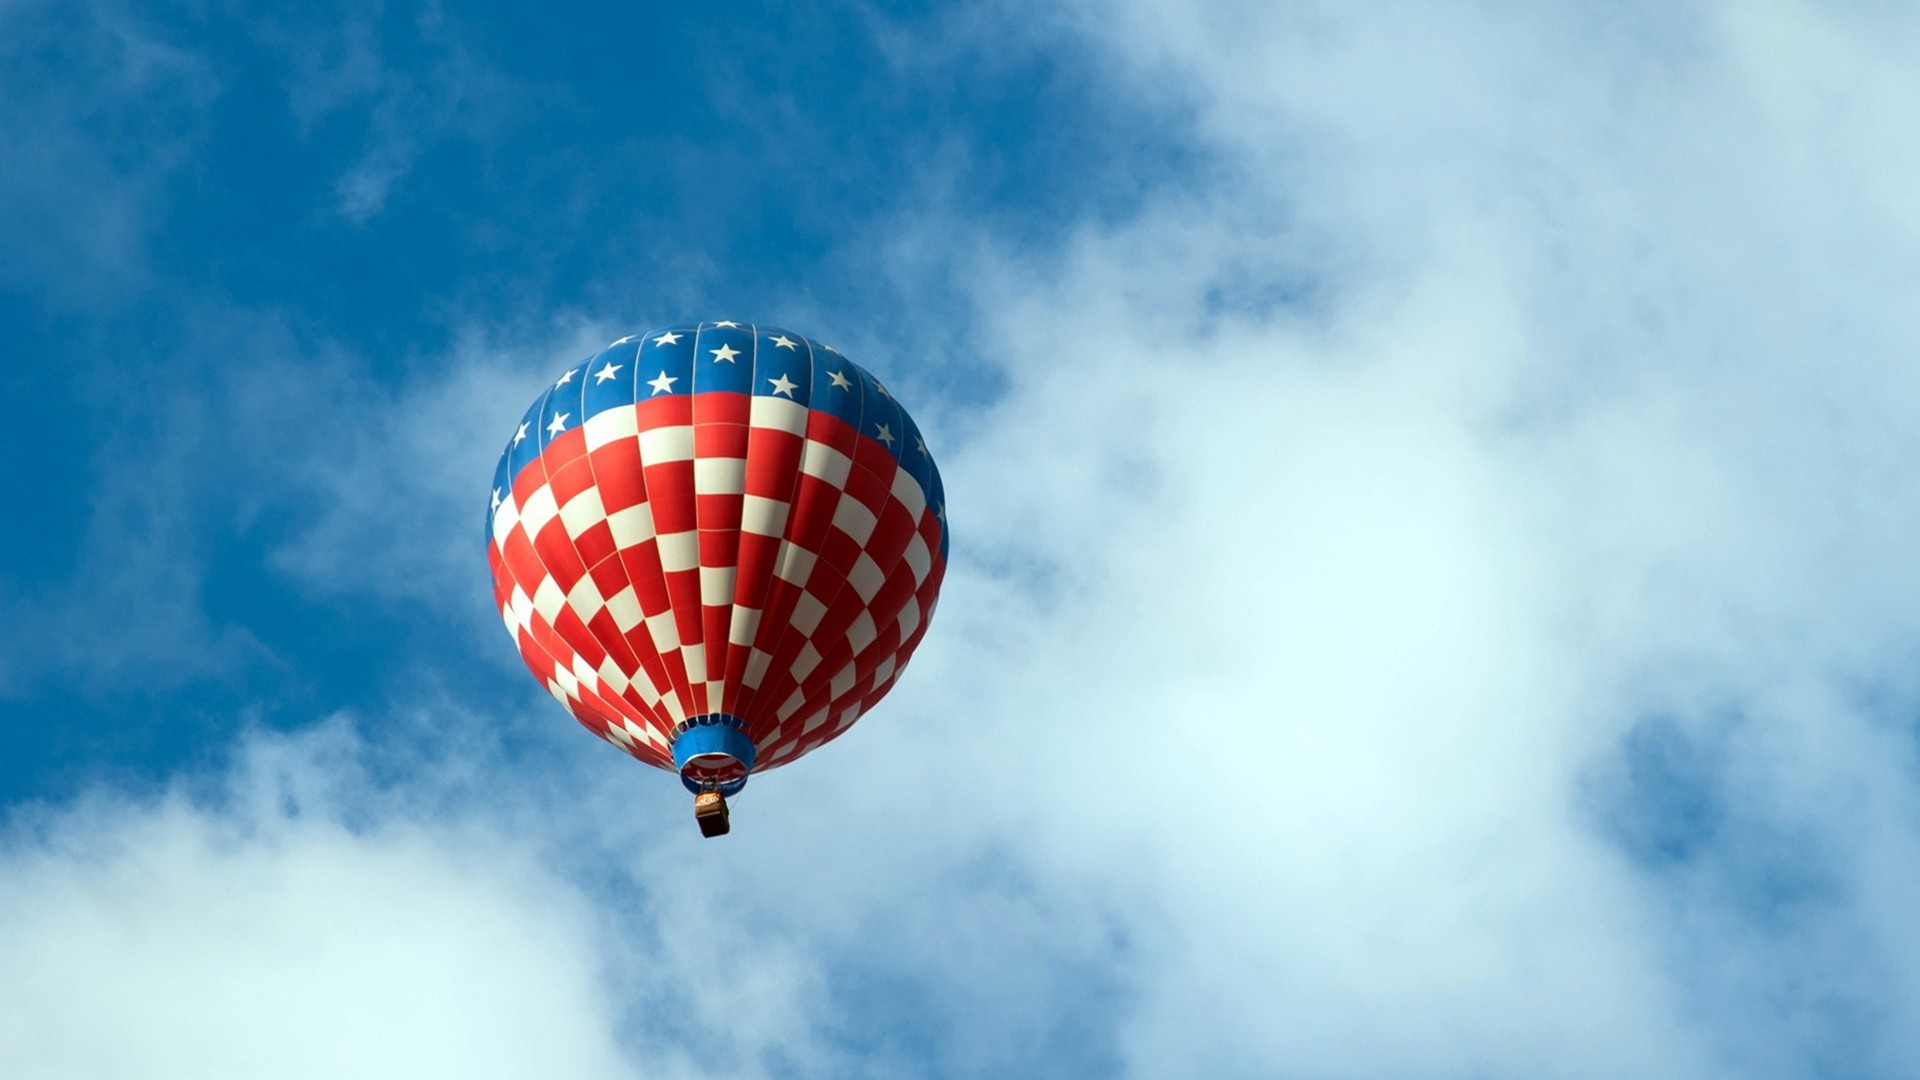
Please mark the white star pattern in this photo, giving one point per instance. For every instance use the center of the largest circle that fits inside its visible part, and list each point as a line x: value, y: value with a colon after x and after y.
x: 878, y: 389
x: 663, y: 384
x: 565, y: 379
x: 728, y: 325
x: 559, y: 424
x: 782, y: 385
x: 884, y: 434
x: 920, y: 443
x: 519, y: 435
x: 668, y: 338
x: 941, y: 513
x: 496, y: 498
x: 724, y: 354
x: 786, y: 342
x: 606, y: 373
x: 840, y: 380
x: 622, y: 341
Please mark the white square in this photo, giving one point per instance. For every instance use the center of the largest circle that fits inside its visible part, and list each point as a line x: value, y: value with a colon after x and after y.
x: 842, y: 681
x: 505, y: 517
x: 582, y: 512
x: 663, y: 444
x: 585, y: 598
x: 909, y: 619
x: 907, y: 490
x: 762, y: 516
x: 795, y: 563
x: 539, y: 510
x: 632, y: 526
x: 807, y: 612
x: 918, y: 557
x: 808, y: 659
x: 862, y: 632
x: 582, y: 671
x: 791, y: 705
x: 823, y: 461
x: 625, y: 609
x: 757, y: 662
x: 716, y: 586
x: 666, y: 636
x: 866, y: 577
x: 548, y: 599
x: 853, y: 518
x: 615, y: 679
x: 719, y: 476
x: 649, y: 693
x: 745, y: 625
x: 773, y: 412
x: 679, y: 551
x: 611, y: 425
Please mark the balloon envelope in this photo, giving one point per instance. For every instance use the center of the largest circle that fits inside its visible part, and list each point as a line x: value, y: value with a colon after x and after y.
x: 717, y: 545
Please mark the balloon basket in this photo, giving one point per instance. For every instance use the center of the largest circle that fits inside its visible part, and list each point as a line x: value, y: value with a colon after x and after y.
x: 710, y: 810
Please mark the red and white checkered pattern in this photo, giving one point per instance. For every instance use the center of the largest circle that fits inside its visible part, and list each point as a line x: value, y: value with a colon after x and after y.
x: 716, y: 552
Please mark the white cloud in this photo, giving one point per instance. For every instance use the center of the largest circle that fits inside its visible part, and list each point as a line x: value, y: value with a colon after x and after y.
x: 265, y: 936
x: 1302, y: 687
x: 295, y: 916
x: 1600, y: 414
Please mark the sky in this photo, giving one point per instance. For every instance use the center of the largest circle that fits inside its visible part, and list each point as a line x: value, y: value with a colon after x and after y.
x: 1432, y: 590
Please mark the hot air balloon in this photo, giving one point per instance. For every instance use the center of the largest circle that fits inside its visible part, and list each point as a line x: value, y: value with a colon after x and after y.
x: 717, y: 545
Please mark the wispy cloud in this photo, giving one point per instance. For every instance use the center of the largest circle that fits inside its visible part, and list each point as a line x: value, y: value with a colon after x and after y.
x: 76, y: 208
x: 343, y: 73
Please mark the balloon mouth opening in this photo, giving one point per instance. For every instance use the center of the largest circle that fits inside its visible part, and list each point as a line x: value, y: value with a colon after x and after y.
x: 713, y: 753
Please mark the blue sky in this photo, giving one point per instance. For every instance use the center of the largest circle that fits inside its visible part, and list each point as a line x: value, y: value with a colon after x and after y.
x: 1432, y: 590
